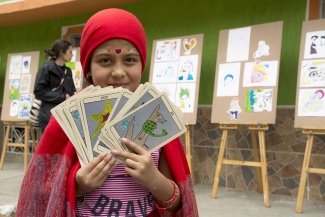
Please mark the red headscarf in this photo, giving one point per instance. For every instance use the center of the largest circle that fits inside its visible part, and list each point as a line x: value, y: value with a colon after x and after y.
x: 109, y: 24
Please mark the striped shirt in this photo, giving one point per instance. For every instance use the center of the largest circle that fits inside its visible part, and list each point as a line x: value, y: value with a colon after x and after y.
x: 120, y: 195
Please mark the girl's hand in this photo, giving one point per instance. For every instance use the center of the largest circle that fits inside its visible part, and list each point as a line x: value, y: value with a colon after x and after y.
x: 93, y: 175
x: 140, y: 166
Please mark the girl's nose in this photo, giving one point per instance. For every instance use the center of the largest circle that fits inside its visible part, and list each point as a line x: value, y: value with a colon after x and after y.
x: 118, y: 71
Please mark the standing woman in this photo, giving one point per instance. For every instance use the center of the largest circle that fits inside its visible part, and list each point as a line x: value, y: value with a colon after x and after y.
x: 54, y: 83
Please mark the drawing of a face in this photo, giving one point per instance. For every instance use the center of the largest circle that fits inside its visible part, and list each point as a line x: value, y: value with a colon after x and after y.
x: 166, y: 51
x: 258, y: 74
x: 24, y: 83
x: 228, y: 79
x: 14, y: 108
x: 186, y: 71
x: 184, y: 97
x: 169, y: 72
x: 316, y: 74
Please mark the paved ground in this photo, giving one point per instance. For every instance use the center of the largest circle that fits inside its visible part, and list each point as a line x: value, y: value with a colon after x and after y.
x: 229, y: 203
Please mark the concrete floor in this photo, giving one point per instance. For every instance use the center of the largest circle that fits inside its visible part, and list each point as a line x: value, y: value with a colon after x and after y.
x: 229, y: 203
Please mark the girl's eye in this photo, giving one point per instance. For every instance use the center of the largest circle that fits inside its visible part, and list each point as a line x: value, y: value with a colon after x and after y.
x: 129, y: 60
x: 105, y: 60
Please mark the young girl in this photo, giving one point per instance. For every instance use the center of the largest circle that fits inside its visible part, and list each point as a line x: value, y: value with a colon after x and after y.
x: 112, y: 53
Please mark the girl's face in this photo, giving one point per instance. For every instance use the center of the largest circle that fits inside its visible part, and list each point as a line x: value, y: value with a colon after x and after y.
x: 67, y: 56
x: 116, y: 63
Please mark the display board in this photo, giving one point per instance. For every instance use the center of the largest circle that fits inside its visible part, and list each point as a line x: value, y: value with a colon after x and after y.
x: 19, y: 85
x: 175, y: 68
x: 21, y: 73
x: 247, y: 73
x: 310, y: 94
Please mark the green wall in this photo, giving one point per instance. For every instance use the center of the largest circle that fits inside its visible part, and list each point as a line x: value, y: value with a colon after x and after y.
x: 173, y: 18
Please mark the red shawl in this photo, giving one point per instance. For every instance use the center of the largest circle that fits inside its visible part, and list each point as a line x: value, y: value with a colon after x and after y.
x: 49, y: 185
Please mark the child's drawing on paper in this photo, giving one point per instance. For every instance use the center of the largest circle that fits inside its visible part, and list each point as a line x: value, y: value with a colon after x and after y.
x: 14, y: 89
x: 312, y: 73
x: 15, y: 66
x: 311, y: 102
x: 26, y: 64
x: 258, y: 100
x: 165, y: 72
x: 185, y: 96
x: 168, y: 50
x: 148, y: 128
x: 234, y: 109
x: 228, y: 79
x: 14, y: 108
x: 187, y: 69
x: 315, y: 45
x: 25, y: 103
x: 260, y: 73
x: 262, y: 50
x: 25, y: 83
x: 77, y: 72
x: 170, y: 89
x: 188, y: 46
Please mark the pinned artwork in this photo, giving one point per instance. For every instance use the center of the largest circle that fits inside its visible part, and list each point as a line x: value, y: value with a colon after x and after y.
x: 228, y: 79
x: 312, y: 73
x: 15, y: 66
x: 260, y: 73
x: 165, y: 72
x: 262, y: 50
x: 187, y: 68
x: 25, y: 104
x: 185, y: 96
x: 315, y: 45
x: 234, y: 109
x: 77, y: 73
x: 259, y: 100
x: 14, y: 105
x: 25, y: 83
x: 188, y: 46
x: 168, y: 50
x: 238, y: 44
x: 14, y: 89
x: 25, y: 68
x: 311, y: 102
x: 170, y: 89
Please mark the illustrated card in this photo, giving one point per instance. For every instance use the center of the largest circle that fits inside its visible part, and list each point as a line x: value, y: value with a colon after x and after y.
x: 151, y: 125
x: 94, y: 111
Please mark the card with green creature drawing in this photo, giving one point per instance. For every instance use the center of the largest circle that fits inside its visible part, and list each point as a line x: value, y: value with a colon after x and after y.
x: 151, y: 125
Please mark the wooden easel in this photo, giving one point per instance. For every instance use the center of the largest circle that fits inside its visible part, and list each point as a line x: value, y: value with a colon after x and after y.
x: 260, y: 159
x: 188, y: 150
x: 305, y: 166
x: 24, y: 145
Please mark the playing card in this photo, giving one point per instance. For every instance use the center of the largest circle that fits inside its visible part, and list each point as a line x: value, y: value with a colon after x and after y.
x: 94, y: 111
x: 151, y: 125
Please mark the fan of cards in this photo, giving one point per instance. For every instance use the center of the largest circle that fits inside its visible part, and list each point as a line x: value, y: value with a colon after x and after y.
x: 96, y: 119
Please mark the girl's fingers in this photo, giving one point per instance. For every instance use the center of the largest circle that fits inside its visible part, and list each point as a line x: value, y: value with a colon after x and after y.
x: 135, y: 147
x: 100, y: 166
x: 94, y: 162
x: 126, y: 155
